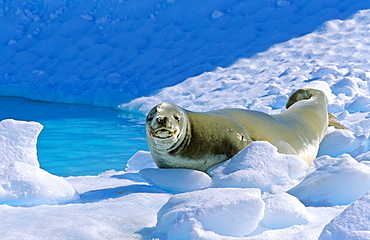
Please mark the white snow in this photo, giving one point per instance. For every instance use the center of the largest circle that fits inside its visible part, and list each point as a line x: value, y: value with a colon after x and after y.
x: 283, y: 210
x: 176, y: 180
x: 26, y: 185
x: 201, y: 56
x: 259, y: 166
x: 226, y: 211
x: 22, y: 181
x: 352, y: 223
x: 336, y: 181
x: 140, y: 160
x: 338, y: 141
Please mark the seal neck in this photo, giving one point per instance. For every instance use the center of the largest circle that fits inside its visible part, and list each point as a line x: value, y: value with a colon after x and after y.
x: 183, y: 141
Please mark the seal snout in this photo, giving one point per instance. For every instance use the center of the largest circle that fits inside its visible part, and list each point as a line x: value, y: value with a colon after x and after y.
x: 161, y: 119
x: 164, y: 121
x: 161, y: 127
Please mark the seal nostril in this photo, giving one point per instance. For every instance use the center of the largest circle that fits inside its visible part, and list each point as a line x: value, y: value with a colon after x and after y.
x: 161, y: 119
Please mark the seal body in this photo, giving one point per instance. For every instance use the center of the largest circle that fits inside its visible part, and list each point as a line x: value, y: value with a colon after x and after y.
x: 178, y: 138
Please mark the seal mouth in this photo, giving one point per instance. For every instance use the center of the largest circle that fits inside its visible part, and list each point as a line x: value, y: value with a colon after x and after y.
x: 162, y: 133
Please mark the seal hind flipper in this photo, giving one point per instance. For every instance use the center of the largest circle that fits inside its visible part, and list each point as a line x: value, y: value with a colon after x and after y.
x: 333, y: 121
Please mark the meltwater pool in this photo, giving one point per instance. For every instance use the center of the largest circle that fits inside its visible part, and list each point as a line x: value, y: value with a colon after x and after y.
x: 79, y: 140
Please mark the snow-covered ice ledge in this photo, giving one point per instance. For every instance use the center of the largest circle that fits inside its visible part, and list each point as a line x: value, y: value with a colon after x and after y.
x: 22, y: 181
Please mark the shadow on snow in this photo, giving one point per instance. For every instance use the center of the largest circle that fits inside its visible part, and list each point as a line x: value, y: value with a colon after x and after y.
x: 126, y: 49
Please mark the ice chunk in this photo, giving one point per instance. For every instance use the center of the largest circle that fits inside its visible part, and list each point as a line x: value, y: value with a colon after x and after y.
x: 177, y: 180
x: 283, y: 210
x: 361, y: 103
x: 359, y: 123
x: 22, y: 184
x: 139, y: 161
x: 338, y: 141
x: 352, y: 223
x: 347, y: 85
x: 259, y: 165
x: 217, y: 14
x: 18, y: 141
x: 320, y: 72
x: 363, y: 157
x: 283, y: 3
x: 225, y: 211
x: 337, y: 181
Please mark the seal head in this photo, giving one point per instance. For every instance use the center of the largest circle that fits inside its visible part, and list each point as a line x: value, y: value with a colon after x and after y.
x: 166, y: 127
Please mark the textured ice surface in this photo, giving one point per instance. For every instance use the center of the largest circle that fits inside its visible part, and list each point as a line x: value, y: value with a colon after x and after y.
x: 109, y: 52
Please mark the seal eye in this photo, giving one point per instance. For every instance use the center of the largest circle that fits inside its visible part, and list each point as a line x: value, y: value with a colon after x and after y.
x: 177, y: 118
x: 149, y: 119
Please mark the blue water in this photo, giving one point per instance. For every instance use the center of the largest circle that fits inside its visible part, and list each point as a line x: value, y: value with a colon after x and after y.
x: 79, y: 140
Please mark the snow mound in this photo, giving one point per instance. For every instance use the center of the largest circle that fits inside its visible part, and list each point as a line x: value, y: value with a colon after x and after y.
x: 360, y: 103
x: 22, y: 182
x: 352, y: 223
x: 336, y: 181
x: 259, y: 165
x: 363, y: 157
x: 338, y: 141
x: 283, y: 210
x: 176, y: 180
x: 26, y: 185
x: 228, y: 211
x: 347, y: 85
x: 139, y: 161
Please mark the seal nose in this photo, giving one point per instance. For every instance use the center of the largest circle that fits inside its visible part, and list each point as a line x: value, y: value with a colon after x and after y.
x: 161, y: 120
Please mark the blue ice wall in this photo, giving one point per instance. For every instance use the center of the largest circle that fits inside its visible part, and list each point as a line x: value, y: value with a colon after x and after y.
x: 109, y: 52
